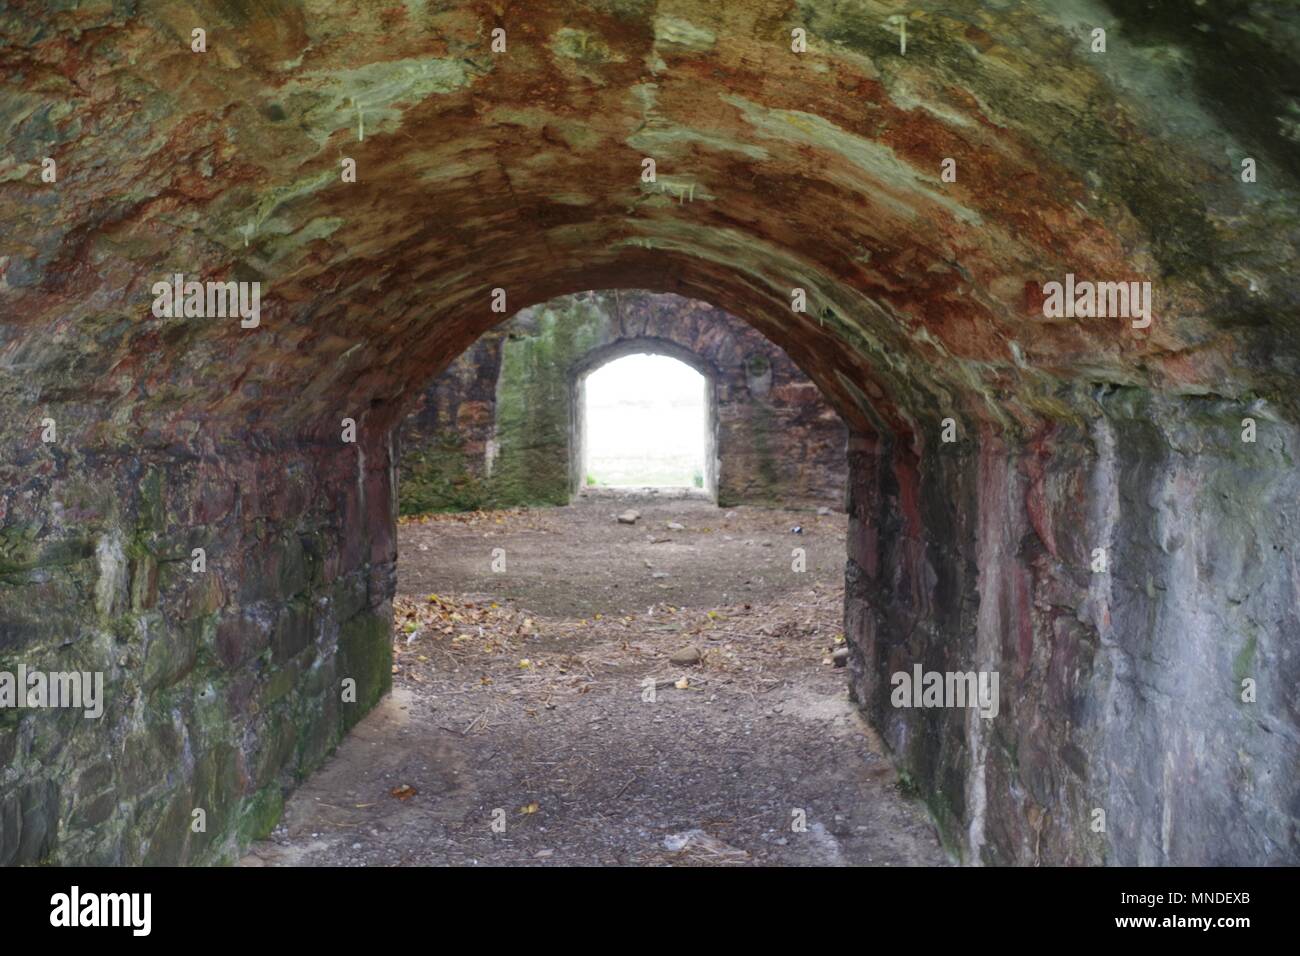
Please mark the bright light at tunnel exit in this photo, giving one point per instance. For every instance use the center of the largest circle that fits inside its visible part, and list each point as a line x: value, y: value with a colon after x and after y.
x: 645, y: 423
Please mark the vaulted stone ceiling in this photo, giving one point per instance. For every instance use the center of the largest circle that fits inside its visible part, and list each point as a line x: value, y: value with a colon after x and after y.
x: 1102, y: 532
x: 522, y: 170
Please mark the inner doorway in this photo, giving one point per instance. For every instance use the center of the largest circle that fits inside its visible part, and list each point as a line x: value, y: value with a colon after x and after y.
x: 645, y: 421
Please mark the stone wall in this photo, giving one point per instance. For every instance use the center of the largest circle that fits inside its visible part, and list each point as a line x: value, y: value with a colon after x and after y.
x: 224, y: 682
x: 497, y: 428
x: 1160, y: 690
x: 446, y: 445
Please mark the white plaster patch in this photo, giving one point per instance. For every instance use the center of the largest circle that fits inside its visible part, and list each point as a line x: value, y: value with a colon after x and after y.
x: 340, y: 99
x: 879, y: 162
x: 110, y: 586
x: 675, y: 32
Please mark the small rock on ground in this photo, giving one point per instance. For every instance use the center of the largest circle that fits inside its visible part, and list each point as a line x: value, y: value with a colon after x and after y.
x: 686, y: 656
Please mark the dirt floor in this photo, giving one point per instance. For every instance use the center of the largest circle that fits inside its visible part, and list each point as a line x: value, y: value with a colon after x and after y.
x: 537, y: 717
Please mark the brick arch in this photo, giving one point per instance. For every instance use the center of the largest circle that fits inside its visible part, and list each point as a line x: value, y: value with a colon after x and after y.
x: 777, y: 172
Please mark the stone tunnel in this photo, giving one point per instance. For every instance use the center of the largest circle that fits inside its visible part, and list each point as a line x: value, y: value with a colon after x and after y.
x: 1040, y: 259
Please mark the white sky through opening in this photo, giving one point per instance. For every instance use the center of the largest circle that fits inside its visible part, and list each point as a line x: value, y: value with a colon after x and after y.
x: 645, y: 418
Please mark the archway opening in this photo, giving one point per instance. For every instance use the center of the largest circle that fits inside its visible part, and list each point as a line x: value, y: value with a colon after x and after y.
x: 602, y: 655
x: 646, y: 423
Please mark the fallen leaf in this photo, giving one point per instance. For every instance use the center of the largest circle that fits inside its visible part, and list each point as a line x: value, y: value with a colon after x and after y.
x: 404, y: 792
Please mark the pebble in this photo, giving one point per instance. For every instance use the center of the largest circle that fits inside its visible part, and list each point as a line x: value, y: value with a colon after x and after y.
x: 629, y: 517
x: 686, y: 656
x: 676, y: 842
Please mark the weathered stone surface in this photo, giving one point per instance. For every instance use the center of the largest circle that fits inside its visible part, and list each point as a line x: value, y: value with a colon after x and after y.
x: 1119, y: 690
x: 777, y: 171
x: 775, y: 438
x: 221, y: 674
